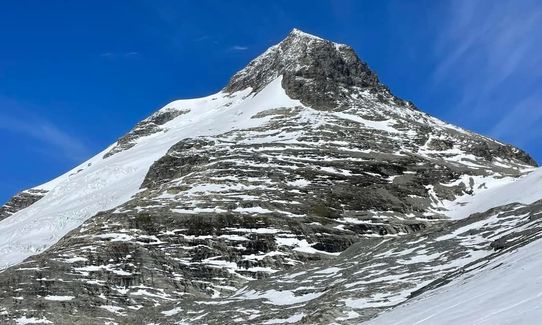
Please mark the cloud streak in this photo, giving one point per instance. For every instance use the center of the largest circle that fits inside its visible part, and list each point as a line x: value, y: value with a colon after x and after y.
x: 120, y: 55
x: 489, y: 51
x: 522, y: 124
x: 49, y: 137
x: 239, y: 48
x: 497, y: 41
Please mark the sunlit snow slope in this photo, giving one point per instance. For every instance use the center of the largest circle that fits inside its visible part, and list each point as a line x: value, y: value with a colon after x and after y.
x: 506, y: 291
x: 304, y: 192
x: 101, y: 184
x: 526, y: 190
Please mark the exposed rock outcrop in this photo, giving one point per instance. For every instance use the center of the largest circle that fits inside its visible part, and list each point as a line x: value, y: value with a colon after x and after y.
x: 333, y: 205
x: 20, y: 201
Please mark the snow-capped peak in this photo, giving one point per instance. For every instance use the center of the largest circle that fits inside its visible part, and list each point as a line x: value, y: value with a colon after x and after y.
x: 306, y: 60
x: 304, y: 154
x: 299, y: 33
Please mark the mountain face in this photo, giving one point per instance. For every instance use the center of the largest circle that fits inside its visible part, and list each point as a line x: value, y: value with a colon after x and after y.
x: 20, y: 201
x: 304, y: 192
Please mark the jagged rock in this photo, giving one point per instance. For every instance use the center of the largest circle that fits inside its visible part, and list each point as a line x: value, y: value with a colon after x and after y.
x: 318, y: 72
x: 20, y: 201
x: 334, y: 197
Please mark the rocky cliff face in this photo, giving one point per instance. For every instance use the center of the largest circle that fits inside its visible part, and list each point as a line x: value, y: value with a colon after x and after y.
x: 303, y: 184
x: 20, y: 201
x: 318, y: 72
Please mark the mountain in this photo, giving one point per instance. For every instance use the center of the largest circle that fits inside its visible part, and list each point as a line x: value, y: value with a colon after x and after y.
x: 303, y: 192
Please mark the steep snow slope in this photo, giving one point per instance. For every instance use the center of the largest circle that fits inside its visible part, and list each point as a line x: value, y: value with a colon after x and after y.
x: 506, y: 291
x: 526, y: 190
x: 101, y: 184
x: 304, y: 192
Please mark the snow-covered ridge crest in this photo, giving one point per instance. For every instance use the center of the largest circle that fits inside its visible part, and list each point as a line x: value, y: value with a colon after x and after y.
x: 309, y: 157
x: 300, y: 33
x: 101, y: 184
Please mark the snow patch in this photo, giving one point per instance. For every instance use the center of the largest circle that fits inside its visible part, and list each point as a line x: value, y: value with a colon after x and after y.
x: 32, y: 320
x: 58, y: 298
x: 525, y: 190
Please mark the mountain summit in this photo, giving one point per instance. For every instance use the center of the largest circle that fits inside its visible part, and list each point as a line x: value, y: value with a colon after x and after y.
x: 303, y: 192
x: 318, y: 72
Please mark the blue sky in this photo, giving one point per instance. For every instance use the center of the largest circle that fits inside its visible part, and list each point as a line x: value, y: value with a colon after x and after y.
x: 76, y: 75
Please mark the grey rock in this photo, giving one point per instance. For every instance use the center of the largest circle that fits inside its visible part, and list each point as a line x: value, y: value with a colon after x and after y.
x: 20, y: 201
x: 318, y: 72
x: 335, y: 209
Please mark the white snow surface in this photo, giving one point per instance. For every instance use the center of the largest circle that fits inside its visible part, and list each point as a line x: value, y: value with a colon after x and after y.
x: 526, y: 189
x: 278, y: 298
x: 59, y: 298
x: 377, y: 125
x: 293, y: 319
x: 507, y: 291
x: 100, y: 184
x: 32, y: 320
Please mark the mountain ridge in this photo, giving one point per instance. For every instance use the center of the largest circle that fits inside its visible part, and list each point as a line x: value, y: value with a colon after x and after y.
x: 311, y: 167
x: 309, y: 66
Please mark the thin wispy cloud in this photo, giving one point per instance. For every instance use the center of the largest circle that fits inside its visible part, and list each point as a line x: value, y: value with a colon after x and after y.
x: 120, y: 55
x: 47, y: 136
x: 490, y: 52
x: 202, y: 38
x: 491, y: 37
x: 131, y: 54
x: 239, y: 48
x: 526, y: 115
